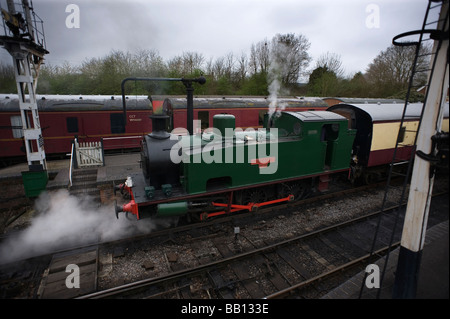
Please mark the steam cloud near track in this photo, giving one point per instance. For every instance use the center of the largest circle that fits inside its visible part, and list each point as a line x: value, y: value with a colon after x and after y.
x: 62, y: 221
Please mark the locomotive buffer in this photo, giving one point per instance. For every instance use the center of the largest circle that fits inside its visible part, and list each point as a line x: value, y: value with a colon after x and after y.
x: 25, y: 41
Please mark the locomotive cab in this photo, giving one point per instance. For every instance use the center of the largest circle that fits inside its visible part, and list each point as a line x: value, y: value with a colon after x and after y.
x: 362, y: 123
x: 326, y: 133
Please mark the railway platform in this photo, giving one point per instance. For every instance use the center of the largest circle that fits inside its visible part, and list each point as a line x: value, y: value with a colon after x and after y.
x: 116, y: 167
x: 433, y: 276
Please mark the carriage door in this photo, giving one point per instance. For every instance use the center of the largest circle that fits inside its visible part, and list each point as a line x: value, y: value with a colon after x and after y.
x: 330, y: 134
x: 203, y: 116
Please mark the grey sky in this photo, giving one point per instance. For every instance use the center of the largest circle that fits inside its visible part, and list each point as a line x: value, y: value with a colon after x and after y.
x: 217, y: 27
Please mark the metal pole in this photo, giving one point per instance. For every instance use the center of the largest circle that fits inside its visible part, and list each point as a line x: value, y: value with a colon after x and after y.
x: 190, y: 107
x: 26, y: 9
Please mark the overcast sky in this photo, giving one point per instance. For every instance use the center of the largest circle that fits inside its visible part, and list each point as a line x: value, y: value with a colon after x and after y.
x: 357, y: 30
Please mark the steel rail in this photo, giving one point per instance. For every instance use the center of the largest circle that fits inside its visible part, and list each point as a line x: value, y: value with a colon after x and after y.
x: 354, y: 262
x: 225, y: 261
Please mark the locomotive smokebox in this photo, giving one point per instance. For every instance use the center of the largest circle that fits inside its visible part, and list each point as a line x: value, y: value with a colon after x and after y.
x: 157, y: 166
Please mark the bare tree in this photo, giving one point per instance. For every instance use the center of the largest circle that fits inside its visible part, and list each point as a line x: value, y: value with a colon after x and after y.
x: 187, y: 63
x: 391, y: 70
x: 209, y: 67
x: 289, y: 54
x: 332, y: 62
x: 260, y: 57
x: 229, y: 65
x: 219, y: 68
x: 192, y: 61
x: 175, y: 65
x: 148, y: 63
x: 253, y: 63
x: 242, y: 68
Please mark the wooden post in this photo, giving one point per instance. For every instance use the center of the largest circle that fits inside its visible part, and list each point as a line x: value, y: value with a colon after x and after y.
x: 421, y: 187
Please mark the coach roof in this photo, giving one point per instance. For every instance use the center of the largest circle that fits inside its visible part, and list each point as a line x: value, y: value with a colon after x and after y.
x: 387, y: 112
x: 69, y: 103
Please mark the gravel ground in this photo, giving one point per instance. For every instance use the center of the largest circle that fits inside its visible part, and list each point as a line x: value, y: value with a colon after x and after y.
x: 149, y: 261
x: 168, y: 257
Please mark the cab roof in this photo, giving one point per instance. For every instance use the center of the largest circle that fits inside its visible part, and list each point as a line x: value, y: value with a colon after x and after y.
x: 316, y: 116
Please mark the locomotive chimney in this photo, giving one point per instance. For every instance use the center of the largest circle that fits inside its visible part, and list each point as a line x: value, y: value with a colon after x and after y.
x: 159, y: 124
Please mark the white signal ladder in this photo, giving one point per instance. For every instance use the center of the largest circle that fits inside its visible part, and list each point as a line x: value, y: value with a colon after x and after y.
x: 26, y: 84
x: 25, y: 41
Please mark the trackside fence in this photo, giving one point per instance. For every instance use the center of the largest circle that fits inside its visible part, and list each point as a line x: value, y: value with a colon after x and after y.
x: 89, y: 154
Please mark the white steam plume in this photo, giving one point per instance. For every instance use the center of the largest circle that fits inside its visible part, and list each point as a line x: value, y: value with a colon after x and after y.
x: 63, y: 221
x: 275, y: 71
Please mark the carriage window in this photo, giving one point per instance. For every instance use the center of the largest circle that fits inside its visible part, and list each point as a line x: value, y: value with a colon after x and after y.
x: 117, y: 123
x: 16, y: 125
x: 203, y: 116
x: 401, y: 134
x: 72, y: 124
x: 261, y: 117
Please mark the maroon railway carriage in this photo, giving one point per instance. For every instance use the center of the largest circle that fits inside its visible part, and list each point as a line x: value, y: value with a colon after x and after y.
x: 62, y: 118
x: 248, y: 111
x: 91, y: 118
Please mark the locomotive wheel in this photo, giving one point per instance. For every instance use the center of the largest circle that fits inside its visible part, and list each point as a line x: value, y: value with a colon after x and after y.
x: 298, y: 189
x: 253, y: 196
x: 370, y: 178
x: 284, y: 190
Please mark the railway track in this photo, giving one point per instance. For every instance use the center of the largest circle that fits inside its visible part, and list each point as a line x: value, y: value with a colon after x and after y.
x: 211, y: 244
x: 262, y: 212
x: 271, y: 270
